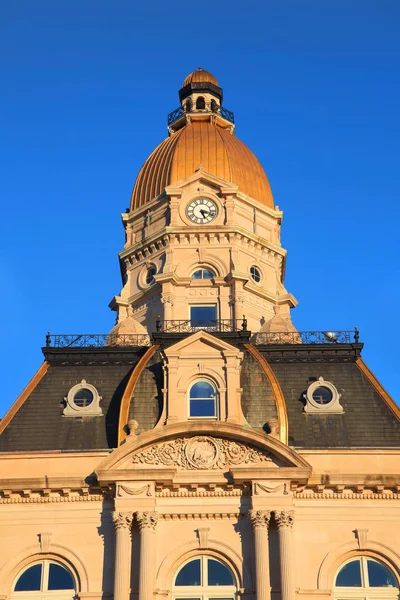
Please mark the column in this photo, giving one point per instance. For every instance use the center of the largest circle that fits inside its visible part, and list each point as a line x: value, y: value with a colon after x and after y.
x: 284, y: 521
x: 122, y: 567
x: 147, y: 522
x: 260, y: 521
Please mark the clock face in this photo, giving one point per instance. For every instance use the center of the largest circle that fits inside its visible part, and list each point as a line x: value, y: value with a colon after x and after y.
x: 202, y: 210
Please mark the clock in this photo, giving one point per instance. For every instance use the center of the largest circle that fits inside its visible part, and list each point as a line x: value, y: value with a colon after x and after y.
x: 201, y: 211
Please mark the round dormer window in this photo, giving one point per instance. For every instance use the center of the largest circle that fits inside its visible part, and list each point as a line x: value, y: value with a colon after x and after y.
x: 83, y: 400
x: 322, y: 397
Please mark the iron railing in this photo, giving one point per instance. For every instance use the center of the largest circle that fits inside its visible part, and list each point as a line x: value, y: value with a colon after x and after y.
x: 97, y: 340
x: 307, y: 337
x: 190, y: 326
x: 208, y: 107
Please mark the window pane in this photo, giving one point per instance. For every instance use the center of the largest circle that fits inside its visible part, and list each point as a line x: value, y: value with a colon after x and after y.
x: 379, y: 575
x: 30, y: 580
x: 219, y: 574
x: 189, y: 574
x: 83, y: 398
x: 350, y: 575
x: 60, y: 578
x: 197, y: 274
x: 322, y: 395
x: 203, y: 316
x: 202, y: 408
x: 207, y: 274
x: 202, y: 389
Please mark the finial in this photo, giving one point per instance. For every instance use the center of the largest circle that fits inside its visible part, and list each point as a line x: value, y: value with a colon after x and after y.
x: 244, y: 323
x: 133, y: 426
x: 356, y: 334
x: 48, y: 339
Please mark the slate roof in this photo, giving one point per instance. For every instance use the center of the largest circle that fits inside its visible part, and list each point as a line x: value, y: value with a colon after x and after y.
x: 39, y: 424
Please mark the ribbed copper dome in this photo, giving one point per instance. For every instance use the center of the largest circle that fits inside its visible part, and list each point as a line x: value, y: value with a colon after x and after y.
x: 201, y: 143
x: 200, y: 76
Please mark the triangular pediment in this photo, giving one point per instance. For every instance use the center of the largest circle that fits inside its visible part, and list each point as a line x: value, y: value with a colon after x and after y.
x: 202, y: 449
x: 199, y: 342
x: 202, y: 177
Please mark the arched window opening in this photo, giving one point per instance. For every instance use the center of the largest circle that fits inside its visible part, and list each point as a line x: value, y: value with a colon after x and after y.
x: 203, y: 274
x: 48, y: 578
x: 200, y: 103
x: 203, y: 578
x: 214, y: 106
x: 188, y: 105
x: 203, y: 400
x: 363, y: 576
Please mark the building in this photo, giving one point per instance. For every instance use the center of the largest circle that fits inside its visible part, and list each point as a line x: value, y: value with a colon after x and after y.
x: 204, y: 448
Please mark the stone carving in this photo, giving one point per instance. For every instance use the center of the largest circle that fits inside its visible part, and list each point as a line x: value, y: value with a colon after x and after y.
x: 284, y: 518
x: 147, y: 520
x: 122, y: 520
x: 134, y: 491
x: 201, y: 452
x: 269, y: 489
x: 259, y: 518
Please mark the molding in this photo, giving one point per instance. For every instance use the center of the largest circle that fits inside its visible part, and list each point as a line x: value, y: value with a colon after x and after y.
x: 130, y: 389
x: 10, y: 414
x: 112, y: 468
x: 378, y: 387
x: 276, y: 389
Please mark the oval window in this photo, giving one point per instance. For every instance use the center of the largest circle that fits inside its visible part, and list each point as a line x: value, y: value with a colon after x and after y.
x: 255, y: 274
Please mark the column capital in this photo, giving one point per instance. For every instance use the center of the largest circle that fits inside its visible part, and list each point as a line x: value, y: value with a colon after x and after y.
x: 284, y: 518
x: 259, y: 518
x: 122, y: 520
x: 147, y: 520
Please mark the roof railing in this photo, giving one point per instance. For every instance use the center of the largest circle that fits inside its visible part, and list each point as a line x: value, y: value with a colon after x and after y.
x: 100, y: 340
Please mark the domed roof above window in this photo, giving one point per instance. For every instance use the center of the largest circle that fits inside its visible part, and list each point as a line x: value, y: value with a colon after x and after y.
x: 200, y: 76
x: 201, y: 143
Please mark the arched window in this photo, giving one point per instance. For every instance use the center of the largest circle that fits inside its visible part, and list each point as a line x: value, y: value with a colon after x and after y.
x: 188, y: 105
x: 200, y: 103
x: 203, y: 274
x: 203, y: 399
x: 203, y: 578
x: 366, y: 578
x: 48, y: 578
x: 214, y: 106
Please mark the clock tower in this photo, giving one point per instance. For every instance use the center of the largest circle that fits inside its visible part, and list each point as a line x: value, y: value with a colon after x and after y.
x: 202, y: 231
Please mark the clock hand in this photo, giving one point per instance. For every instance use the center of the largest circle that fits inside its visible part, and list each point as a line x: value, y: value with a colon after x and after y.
x: 204, y: 213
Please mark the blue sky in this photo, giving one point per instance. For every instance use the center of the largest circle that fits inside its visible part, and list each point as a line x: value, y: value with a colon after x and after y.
x: 86, y: 88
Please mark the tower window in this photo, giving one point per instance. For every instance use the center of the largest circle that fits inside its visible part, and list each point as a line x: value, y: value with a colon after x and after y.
x: 200, y: 103
x: 203, y: 274
x: 202, y: 400
x: 255, y: 274
x: 214, y: 106
x: 151, y: 271
x: 188, y: 105
x: 203, y: 316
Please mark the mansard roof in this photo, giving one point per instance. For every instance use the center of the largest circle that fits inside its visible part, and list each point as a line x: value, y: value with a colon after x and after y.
x: 270, y: 375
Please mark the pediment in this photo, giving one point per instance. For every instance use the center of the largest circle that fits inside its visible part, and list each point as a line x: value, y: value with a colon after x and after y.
x: 205, y: 178
x: 201, y: 448
x: 199, y: 342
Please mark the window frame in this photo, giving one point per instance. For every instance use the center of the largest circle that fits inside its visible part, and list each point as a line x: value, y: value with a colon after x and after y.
x: 203, y: 278
x: 213, y: 384
x: 256, y: 268
x: 366, y: 592
x: 205, y: 591
x: 203, y: 305
x: 44, y: 581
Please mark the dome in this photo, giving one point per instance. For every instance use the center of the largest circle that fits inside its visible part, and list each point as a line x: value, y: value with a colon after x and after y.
x: 200, y: 76
x: 204, y: 143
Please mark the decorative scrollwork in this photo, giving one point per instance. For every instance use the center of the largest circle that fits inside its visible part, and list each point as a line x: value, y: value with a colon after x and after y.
x: 284, y: 518
x: 259, y: 518
x: 147, y: 520
x: 122, y: 520
x: 201, y: 452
